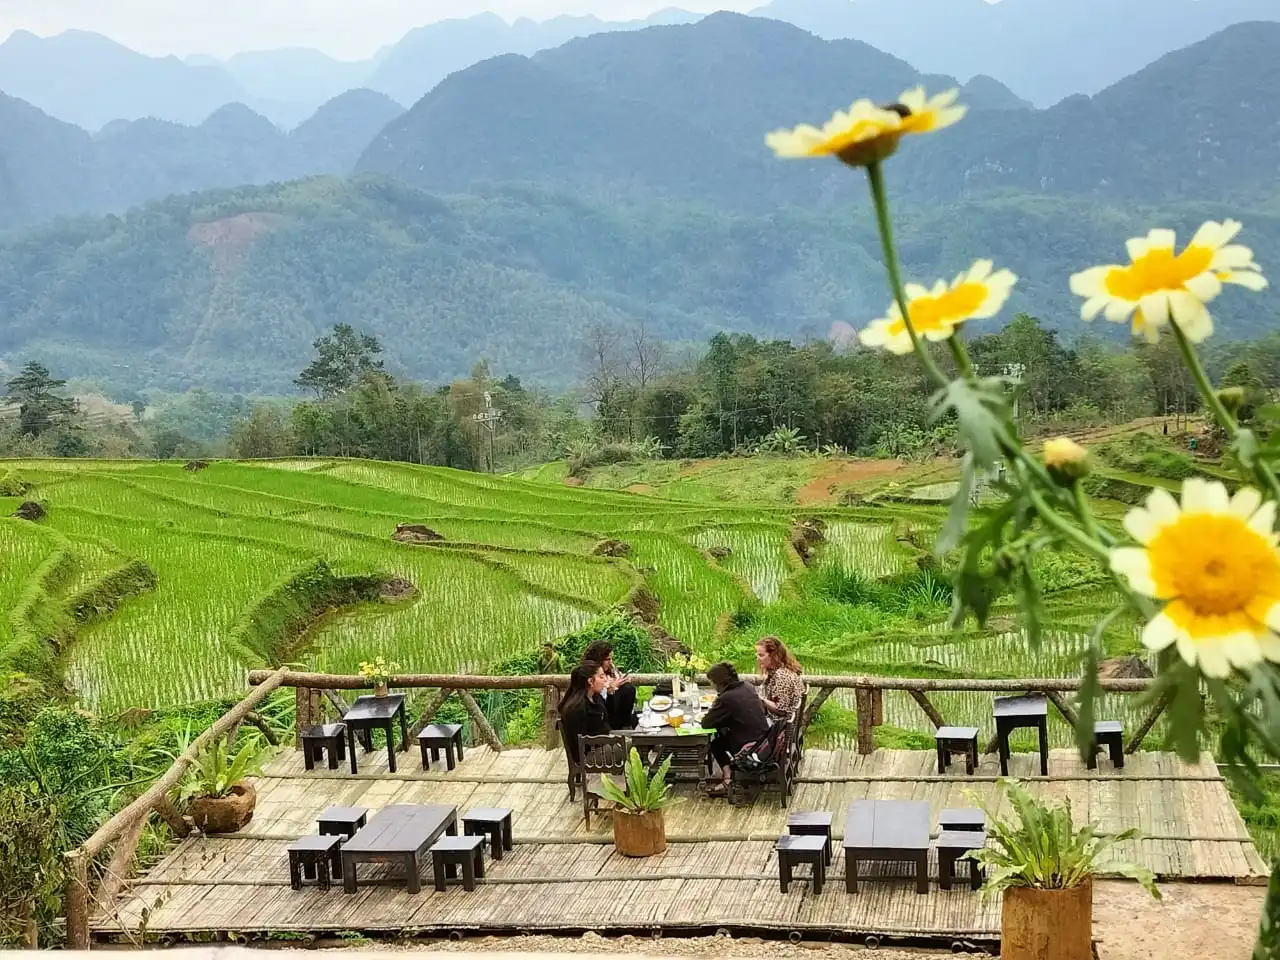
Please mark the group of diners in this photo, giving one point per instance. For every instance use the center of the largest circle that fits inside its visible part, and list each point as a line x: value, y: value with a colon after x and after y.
x: 601, y: 700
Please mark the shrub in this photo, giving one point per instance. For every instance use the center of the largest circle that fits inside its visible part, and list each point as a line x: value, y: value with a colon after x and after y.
x: 632, y: 646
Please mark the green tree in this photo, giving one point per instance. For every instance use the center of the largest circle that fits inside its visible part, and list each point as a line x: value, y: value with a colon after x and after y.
x: 40, y: 407
x: 264, y: 433
x: 342, y: 359
x: 1242, y: 374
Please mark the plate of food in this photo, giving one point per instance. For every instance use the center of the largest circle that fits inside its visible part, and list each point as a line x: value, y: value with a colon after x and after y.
x: 707, y: 700
x: 660, y: 704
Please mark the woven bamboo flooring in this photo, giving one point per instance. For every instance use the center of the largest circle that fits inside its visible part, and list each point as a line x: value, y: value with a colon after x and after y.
x: 719, y: 870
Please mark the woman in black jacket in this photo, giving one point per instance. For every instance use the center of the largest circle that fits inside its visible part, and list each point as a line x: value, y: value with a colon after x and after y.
x: 619, y: 695
x: 737, y: 716
x: 582, y: 711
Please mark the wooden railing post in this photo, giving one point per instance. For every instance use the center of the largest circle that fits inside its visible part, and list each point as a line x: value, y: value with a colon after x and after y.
x: 77, y: 897
x: 866, y: 720
x: 550, y: 715
x: 302, y: 714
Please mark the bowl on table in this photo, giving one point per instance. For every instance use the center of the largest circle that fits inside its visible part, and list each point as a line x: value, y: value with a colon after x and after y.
x: 707, y: 700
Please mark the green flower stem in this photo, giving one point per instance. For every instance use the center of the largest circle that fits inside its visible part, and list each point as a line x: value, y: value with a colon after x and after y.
x: 961, y: 356
x: 1084, y: 512
x: 1220, y: 413
x: 875, y: 175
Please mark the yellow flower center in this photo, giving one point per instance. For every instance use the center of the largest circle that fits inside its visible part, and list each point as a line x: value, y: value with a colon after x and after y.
x: 1214, y: 563
x: 943, y: 312
x: 1158, y: 270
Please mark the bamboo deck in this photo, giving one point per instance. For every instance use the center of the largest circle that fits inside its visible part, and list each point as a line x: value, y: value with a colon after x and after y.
x: 719, y: 871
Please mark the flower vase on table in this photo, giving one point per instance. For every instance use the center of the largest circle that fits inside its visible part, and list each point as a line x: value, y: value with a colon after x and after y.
x: 379, y: 672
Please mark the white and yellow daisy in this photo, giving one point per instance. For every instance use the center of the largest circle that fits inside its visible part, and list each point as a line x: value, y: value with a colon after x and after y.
x: 866, y: 133
x: 1214, y: 560
x: 976, y: 294
x: 1159, y: 285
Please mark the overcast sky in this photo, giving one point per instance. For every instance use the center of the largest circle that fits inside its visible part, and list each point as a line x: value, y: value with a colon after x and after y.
x: 349, y: 29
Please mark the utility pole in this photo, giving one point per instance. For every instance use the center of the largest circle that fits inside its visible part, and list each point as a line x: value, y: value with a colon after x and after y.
x: 489, y: 419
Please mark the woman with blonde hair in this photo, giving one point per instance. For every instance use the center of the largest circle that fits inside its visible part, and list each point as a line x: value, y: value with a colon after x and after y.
x: 782, y: 688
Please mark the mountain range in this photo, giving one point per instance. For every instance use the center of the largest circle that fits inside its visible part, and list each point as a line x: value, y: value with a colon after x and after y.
x: 1044, y: 50
x: 616, y: 179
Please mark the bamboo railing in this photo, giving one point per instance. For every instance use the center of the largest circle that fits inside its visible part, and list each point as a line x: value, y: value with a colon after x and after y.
x: 317, y: 693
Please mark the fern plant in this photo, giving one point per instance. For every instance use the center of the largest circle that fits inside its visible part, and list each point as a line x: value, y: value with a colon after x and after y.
x: 1045, y: 851
x: 216, y: 770
x: 644, y: 792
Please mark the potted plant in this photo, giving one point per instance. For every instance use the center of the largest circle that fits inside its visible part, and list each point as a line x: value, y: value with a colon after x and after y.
x: 220, y: 800
x: 639, y: 828
x: 379, y: 672
x: 1045, y: 867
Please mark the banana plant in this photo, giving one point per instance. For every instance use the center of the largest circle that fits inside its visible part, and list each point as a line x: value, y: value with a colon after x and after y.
x: 643, y: 793
x: 1044, y: 850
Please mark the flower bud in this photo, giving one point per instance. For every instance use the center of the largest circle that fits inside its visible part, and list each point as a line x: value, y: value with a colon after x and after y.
x: 1232, y: 398
x: 1067, y: 460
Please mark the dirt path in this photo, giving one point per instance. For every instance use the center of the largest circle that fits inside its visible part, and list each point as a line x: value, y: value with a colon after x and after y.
x: 1194, y: 921
x: 843, y: 473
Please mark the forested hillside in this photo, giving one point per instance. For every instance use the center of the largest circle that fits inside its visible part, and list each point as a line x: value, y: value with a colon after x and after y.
x: 229, y: 288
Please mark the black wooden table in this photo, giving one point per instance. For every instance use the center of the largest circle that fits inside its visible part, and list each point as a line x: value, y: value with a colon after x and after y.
x: 887, y: 830
x: 401, y: 832
x: 1012, y: 713
x: 377, y: 713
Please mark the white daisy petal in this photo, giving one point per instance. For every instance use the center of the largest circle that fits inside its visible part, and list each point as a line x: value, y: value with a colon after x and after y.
x: 1245, y: 503
x: 1212, y: 656
x: 1191, y: 316
x: 1091, y: 282
x: 1264, y: 520
x: 1160, y: 633
x: 1204, y: 287
x: 1234, y: 257
x: 1204, y: 496
x: 1161, y: 505
x: 1161, y: 239
x: 1245, y: 278
x: 1134, y: 564
x: 1155, y: 308
x: 1138, y: 247
x: 1241, y: 650
x: 1118, y: 311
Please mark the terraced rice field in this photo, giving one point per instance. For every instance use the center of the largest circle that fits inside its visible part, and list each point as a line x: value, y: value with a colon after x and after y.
x: 515, y: 569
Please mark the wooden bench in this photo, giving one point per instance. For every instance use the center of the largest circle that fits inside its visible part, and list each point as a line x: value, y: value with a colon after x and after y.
x: 327, y: 738
x: 437, y: 737
x: 491, y: 822
x: 963, y: 819
x: 342, y: 821
x: 949, y: 740
x: 812, y: 825
x: 316, y: 858
x: 449, y: 853
x: 795, y: 849
x: 1012, y: 713
x: 954, y: 844
x: 1109, y: 734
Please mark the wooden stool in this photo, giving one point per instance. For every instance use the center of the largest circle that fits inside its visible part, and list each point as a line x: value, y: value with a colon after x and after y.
x: 491, y: 822
x: 811, y: 825
x: 1109, y: 734
x: 317, y: 858
x: 437, y: 737
x: 949, y: 740
x: 797, y: 849
x: 954, y: 844
x: 448, y: 853
x: 329, y: 738
x: 967, y: 820
x: 342, y: 821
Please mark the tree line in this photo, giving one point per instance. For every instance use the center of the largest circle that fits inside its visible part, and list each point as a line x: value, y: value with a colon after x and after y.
x: 638, y: 396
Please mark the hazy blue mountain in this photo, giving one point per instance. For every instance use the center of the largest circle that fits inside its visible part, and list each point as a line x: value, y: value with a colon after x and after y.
x: 296, y: 75
x: 332, y: 140
x: 428, y: 54
x: 1044, y: 50
x: 46, y: 166
x: 89, y: 80
x: 681, y: 112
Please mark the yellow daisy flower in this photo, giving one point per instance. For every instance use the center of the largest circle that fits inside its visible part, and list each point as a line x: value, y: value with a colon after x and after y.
x: 865, y: 133
x: 1214, y: 559
x: 974, y: 295
x: 1159, y: 284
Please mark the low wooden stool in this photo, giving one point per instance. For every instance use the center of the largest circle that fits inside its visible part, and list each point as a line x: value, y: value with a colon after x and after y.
x: 437, y: 737
x: 949, y: 740
x: 315, y: 857
x: 967, y: 820
x: 954, y: 844
x: 448, y: 853
x: 1109, y: 734
x: 342, y: 821
x: 328, y: 738
x: 491, y: 822
x: 794, y: 850
x: 811, y: 825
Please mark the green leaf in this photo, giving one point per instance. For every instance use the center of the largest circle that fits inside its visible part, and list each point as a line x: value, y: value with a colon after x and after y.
x: 981, y: 410
x: 953, y: 530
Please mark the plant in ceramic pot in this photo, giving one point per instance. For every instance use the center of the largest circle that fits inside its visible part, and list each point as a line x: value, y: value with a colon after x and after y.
x: 379, y: 673
x: 220, y: 801
x: 639, y: 827
x: 1045, y: 867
